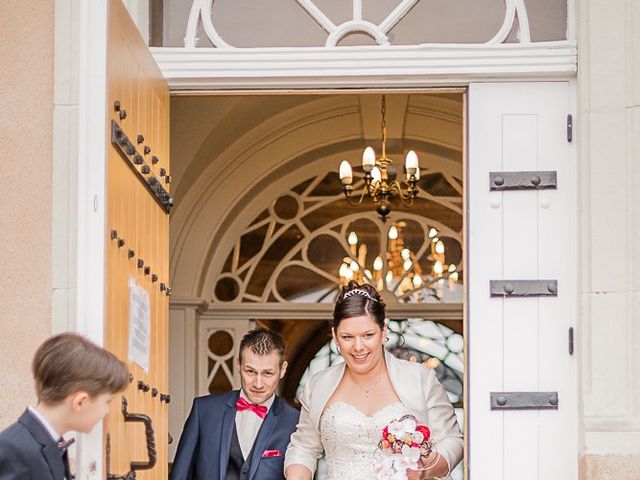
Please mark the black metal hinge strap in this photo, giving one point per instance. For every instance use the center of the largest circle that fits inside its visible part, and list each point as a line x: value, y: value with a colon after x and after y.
x: 523, y: 288
x: 132, y: 157
x: 524, y: 400
x: 535, y: 180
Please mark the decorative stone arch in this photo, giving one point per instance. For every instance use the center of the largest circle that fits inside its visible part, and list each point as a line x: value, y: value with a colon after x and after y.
x: 304, y: 230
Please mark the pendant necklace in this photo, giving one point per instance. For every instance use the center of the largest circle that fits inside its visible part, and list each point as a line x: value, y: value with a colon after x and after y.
x: 365, y: 389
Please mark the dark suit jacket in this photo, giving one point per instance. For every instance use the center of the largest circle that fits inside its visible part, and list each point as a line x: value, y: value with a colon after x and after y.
x: 27, y: 452
x: 203, y: 451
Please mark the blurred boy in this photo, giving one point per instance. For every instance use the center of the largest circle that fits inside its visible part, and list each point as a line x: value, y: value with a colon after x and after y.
x: 74, y: 380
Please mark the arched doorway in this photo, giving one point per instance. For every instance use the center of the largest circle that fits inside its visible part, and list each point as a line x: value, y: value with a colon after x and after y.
x: 277, y: 251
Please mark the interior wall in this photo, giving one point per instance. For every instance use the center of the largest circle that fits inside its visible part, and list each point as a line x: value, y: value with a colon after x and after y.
x: 26, y: 122
x: 609, y: 142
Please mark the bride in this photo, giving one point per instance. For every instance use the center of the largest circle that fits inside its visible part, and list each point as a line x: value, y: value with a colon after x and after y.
x: 346, y: 406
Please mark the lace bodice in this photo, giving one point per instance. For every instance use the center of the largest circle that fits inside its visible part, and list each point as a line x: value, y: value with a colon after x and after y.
x: 350, y: 438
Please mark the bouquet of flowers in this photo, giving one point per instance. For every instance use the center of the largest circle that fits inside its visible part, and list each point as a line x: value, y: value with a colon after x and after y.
x: 404, y: 442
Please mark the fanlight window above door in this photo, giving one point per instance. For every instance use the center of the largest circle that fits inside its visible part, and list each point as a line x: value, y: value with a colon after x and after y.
x: 229, y: 24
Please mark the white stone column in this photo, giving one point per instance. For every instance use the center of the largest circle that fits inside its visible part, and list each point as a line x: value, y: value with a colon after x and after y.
x: 183, y: 364
x: 609, y: 155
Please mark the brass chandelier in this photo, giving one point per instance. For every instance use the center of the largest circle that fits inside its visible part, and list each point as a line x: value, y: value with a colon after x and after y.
x: 378, y: 185
x: 398, y: 269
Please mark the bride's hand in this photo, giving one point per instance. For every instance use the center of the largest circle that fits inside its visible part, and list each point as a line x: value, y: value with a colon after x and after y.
x: 414, y: 474
x: 423, y: 465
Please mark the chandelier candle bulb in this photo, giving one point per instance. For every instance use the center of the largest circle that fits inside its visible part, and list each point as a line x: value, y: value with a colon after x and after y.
x: 376, y: 175
x: 378, y: 264
x: 411, y: 162
x: 438, y: 267
x: 352, y: 240
x: 440, y: 247
x: 393, y: 232
x: 346, y: 174
x: 433, y: 233
x: 368, y: 159
x: 343, y: 270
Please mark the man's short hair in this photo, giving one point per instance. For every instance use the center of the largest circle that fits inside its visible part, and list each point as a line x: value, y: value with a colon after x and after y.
x: 67, y: 363
x: 263, y: 341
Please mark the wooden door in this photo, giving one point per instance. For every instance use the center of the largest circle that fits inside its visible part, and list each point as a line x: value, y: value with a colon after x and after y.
x: 138, y: 205
x: 519, y: 345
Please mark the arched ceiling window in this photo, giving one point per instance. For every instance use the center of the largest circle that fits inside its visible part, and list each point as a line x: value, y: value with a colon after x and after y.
x: 297, y: 248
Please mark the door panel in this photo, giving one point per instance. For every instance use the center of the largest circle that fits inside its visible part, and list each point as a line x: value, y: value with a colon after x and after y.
x: 520, y: 344
x: 137, y: 247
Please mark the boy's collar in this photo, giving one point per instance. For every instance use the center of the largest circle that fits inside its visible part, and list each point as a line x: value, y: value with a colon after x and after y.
x: 45, y: 423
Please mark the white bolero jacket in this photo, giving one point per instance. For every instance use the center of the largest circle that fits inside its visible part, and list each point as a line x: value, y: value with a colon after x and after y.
x: 419, y: 391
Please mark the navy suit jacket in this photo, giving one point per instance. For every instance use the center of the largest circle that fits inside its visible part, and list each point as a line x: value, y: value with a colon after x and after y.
x: 27, y: 452
x: 203, y: 451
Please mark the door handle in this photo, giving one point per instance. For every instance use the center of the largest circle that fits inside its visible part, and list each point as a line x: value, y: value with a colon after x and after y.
x: 150, y: 441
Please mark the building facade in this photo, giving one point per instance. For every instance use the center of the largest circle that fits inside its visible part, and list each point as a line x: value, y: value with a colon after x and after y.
x: 55, y: 78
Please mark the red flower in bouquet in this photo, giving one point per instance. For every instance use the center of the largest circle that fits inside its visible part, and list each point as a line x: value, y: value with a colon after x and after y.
x: 424, y: 430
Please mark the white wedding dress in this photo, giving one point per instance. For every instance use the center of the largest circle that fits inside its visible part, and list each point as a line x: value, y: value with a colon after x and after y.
x: 350, y: 438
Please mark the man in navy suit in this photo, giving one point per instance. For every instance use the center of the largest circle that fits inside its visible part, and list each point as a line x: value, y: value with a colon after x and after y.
x: 242, y: 434
x: 75, y: 381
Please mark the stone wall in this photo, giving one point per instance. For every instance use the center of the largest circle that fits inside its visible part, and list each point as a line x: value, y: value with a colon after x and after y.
x: 609, y: 136
x: 26, y: 123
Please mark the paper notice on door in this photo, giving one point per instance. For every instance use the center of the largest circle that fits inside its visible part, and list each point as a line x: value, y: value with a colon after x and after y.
x: 139, y: 324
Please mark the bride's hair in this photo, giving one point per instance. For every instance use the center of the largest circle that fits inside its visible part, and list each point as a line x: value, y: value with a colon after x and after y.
x: 355, y: 300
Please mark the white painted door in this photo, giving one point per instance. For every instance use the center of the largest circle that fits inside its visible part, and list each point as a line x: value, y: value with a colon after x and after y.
x: 521, y: 344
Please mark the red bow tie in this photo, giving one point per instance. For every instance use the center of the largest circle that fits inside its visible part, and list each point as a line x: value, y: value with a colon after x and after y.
x: 259, y: 410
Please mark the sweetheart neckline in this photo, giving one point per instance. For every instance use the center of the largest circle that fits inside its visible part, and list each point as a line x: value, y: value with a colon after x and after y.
x: 353, y: 407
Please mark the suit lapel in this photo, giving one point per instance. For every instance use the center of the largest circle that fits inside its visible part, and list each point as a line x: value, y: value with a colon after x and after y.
x: 263, y: 436
x: 53, y: 457
x: 228, y: 422
x: 50, y: 450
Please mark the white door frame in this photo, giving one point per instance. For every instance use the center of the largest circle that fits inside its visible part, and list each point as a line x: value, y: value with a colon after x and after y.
x: 219, y: 71
x: 214, y: 71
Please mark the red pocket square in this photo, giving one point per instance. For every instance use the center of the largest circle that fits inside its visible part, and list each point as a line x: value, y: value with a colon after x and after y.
x: 271, y: 453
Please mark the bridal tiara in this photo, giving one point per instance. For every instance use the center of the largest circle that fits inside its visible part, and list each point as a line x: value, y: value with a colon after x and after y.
x: 358, y: 291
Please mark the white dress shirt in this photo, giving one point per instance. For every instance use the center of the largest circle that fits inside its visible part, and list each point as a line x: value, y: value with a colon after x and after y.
x: 248, y: 424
